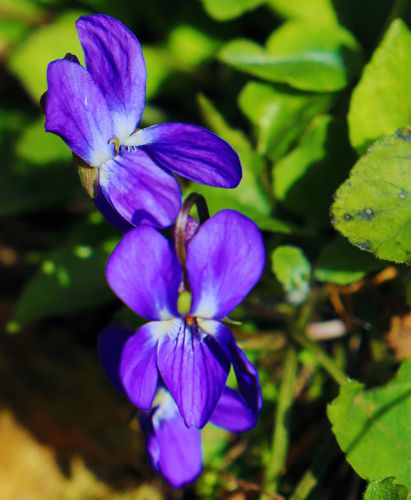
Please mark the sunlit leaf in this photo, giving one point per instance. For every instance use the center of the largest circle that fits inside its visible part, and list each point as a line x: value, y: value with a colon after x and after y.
x: 293, y: 271
x: 386, y: 490
x: 223, y: 10
x: 314, y: 11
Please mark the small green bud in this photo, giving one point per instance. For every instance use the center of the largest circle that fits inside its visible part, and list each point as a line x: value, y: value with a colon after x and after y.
x: 184, y: 302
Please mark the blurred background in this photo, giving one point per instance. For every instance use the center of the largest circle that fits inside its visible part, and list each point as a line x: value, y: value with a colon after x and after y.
x: 64, y: 432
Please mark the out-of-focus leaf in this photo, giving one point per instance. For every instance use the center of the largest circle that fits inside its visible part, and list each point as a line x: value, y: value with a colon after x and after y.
x: 314, y: 11
x: 293, y: 271
x: 37, y: 147
x: 399, y: 335
x: 26, y: 11
x: 214, y: 441
x: 372, y: 208
x: 159, y: 67
x: 223, y: 10
x: 381, y: 102
x: 272, y: 109
x: 11, y: 32
x: 303, y: 55
x: 70, y: 279
x: 342, y: 264
x: 386, y: 490
x: 190, y: 47
x: 305, y: 180
x: 373, y: 427
x: 30, y: 59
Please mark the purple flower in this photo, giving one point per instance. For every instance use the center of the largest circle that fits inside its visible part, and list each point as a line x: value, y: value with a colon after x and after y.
x: 174, y: 448
x: 96, y: 111
x: 192, y: 352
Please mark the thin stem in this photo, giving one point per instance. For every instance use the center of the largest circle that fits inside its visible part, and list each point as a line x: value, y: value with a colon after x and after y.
x: 280, y: 440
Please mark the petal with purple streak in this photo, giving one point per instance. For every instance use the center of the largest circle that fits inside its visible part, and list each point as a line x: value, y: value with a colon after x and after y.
x: 232, y: 412
x: 174, y: 449
x: 141, y: 192
x: 194, y: 368
x: 192, y: 152
x: 143, y: 271
x: 224, y: 261
x: 77, y: 112
x: 115, y: 60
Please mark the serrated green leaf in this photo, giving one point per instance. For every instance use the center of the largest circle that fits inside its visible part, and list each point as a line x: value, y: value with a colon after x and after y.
x: 30, y: 59
x: 386, y: 490
x: 373, y: 427
x: 305, y: 56
x: 222, y: 10
x: 314, y: 11
x: 272, y: 108
x: 372, y: 208
x: 305, y: 180
x: 342, y: 264
x: 381, y: 101
x: 293, y: 271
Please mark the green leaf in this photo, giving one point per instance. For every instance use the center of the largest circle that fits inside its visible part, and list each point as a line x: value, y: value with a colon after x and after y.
x: 190, y: 46
x: 342, y: 264
x: 222, y: 10
x: 381, y: 102
x: 305, y: 56
x: 305, y: 180
x: 372, y: 208
x: 71, y: 278
x: 314, y: 11
x: 386, y: 490
x: 372, y: 427
x: 272, y: 108
x: 30, y: 59
x: 159, y: 67
x: 293, y: 271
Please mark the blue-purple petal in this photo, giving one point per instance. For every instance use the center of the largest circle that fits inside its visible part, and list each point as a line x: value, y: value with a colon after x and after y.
x: 110, y: 213
x: 140, y: 191
x: 77, y: 112
x: 144, y: 272
x: 174, y: 449
x: 138, y: 367
x: 224, y: 261
x: 232, y: 412
x: 192, y: 152
x: 115, y: 60
x: 110, y: 347
x: 194, y: 368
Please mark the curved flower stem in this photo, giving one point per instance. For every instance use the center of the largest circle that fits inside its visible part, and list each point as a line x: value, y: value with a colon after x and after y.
x: 279, y: 446
x: 181, y: 223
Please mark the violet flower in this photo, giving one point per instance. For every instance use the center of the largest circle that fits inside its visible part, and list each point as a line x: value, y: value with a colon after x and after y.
x: 96, y: 111
x: 174, y: 449
x: 193, y: 351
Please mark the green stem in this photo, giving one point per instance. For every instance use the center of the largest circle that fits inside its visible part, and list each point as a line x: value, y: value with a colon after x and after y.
x: 280, y: 439
x: 321, y: 356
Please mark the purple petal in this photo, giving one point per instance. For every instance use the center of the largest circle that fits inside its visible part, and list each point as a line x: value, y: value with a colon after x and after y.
x: 140, y: 191
x: 110, y: 347
x: 194, y: 368
x: 138, y: 368
x: 110, y: 213
x: 77, y: 112
x: 233, y: 413
x: 143, y: 271
x: 192, y: 152
x: 246, y: 373
x: 224, y: 261
x: 174, y: 449
x: 115, y: 60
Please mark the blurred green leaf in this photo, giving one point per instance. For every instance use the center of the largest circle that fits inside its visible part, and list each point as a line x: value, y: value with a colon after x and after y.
x: 11, y: 32
x: 303, y: 55
x: 313, y: 11
x: 214, y: 442
x: 222, y: 10
x: 381, y: 102
x: 373, y: 427
x: 37, y: 147
x: 342, y: 264
x: 71, y: 278
x: 159, y: 67
x: 30, y: 59
x: 26, y: 11
x: 372, y: 207
x: 305, y: 180
x: 293, y: 271
x: 386, y: 490
x: 271, y: 109
x: 190, y: 47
